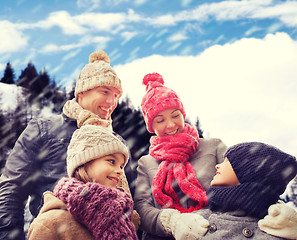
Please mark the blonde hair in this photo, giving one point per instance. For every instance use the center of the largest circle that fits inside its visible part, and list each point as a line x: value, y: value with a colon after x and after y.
x: 82, y: 175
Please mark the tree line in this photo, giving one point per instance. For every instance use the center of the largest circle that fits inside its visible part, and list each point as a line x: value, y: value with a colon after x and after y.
x: 39, y: 91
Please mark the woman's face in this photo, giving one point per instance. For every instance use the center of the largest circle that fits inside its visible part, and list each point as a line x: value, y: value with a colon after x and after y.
x: 225, y: 175
x: 168, y: 122
x: 106, y: 170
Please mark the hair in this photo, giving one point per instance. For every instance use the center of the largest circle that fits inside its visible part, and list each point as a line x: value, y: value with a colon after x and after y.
x: 82, y: 175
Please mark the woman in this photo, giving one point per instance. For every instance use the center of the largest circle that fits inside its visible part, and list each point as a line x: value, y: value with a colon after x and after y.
x: 173, y: 178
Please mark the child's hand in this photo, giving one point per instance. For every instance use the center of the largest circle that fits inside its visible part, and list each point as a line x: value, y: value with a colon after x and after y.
x: 190, y: 226
x: 281, y: 221
x: 183, y: 226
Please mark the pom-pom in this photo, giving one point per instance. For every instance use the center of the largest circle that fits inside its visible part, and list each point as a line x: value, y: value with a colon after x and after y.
x: 152, y: 77
x: 99, y: 56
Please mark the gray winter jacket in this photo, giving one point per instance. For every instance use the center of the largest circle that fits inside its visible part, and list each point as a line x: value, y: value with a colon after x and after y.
x: 232, y: 226
x: 209, y: 153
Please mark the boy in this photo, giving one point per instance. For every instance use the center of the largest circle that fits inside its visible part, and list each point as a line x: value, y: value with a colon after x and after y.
x: 251, y: 178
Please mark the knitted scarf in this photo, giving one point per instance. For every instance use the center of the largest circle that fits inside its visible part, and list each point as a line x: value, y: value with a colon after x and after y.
x: 105, y: 211
x: 254, y: 198
x: 74, y: 111
x: 174, y: 152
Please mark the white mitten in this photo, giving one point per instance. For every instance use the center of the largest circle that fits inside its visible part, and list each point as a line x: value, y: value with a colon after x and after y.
x: 281, y: 221
x: 183, y: 225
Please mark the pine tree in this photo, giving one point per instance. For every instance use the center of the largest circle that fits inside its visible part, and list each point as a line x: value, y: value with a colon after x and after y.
x: 197, y: 125
x: 9, y: 76
x: 28, y: 76
x: 2, y: 143
x: 58, y: 97
x: 130, y: 124
x: 41, y: 89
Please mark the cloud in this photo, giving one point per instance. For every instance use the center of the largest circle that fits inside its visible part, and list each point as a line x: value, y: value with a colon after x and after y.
x: 84, y: 23
x: 286, y: 12
x: 127, y: 36
x: 11, y: 40
x: 100, y: 21
x: 177, y: 37
x: 87, y: 40
x: 93, y: 4
x: 242, y: 91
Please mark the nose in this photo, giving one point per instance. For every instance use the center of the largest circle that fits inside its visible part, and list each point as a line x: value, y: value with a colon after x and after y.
x: 217, y: 166
x: 170, y: 124
x: 111, y: 99
x: 119, y: 170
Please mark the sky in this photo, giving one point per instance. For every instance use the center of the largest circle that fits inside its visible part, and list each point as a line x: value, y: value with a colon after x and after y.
x: 233, y: 63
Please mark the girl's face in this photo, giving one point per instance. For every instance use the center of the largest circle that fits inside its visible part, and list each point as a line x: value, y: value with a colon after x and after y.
x: 225, y: 175
x: 106, y: 170
x: 168, y: 122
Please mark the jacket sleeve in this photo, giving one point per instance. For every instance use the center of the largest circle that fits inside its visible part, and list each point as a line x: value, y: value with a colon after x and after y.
x: 144, y: 203
x: 39, y: 231
x: 16, y: 182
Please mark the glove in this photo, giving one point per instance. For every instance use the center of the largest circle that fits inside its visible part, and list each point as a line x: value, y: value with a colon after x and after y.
x: 183, y: 225
x: 281, y: 221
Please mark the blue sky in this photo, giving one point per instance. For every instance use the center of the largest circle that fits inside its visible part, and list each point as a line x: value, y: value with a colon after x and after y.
x: 233, y: 63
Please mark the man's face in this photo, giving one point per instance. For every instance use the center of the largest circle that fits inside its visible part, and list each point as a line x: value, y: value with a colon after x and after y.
x: 100, y: 100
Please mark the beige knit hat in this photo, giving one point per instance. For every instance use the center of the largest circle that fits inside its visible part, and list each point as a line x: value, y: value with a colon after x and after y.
x: 97, y: 73
x: 91, y: 142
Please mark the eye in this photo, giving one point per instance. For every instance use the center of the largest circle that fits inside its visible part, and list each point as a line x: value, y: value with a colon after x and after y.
x: 111, y: 161
x: 175, y: 116
x: 158, y: 119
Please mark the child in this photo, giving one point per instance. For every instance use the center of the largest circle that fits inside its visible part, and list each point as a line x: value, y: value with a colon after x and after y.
x: 87, y: 205
x: 251, y: 178
x: 178, y: 169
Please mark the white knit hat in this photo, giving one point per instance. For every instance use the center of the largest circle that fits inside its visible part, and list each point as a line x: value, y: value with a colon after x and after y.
x: 97, y: 72
x: 91, y: 142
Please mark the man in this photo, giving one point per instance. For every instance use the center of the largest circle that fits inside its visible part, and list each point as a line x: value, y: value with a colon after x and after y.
x: 38, y: 158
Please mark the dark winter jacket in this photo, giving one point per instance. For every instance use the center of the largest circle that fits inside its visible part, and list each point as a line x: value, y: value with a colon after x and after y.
x: 36, y: 163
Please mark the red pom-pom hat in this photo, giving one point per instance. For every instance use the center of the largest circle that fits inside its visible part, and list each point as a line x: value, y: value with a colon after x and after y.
x: 157, y: 99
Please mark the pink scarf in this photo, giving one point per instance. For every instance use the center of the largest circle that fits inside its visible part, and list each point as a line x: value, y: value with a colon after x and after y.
x: 174, y: 151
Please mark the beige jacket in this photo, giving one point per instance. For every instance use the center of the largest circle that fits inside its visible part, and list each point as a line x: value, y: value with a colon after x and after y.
x: 55, y: 222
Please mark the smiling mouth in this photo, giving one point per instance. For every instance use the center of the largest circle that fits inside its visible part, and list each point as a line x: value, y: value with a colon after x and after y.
x: 114, y: 179
x: 105, y: 109
x: 173, y: 132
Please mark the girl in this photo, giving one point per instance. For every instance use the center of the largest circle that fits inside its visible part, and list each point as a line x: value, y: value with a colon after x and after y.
x: 173, y: 178
x: 87, y: 204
